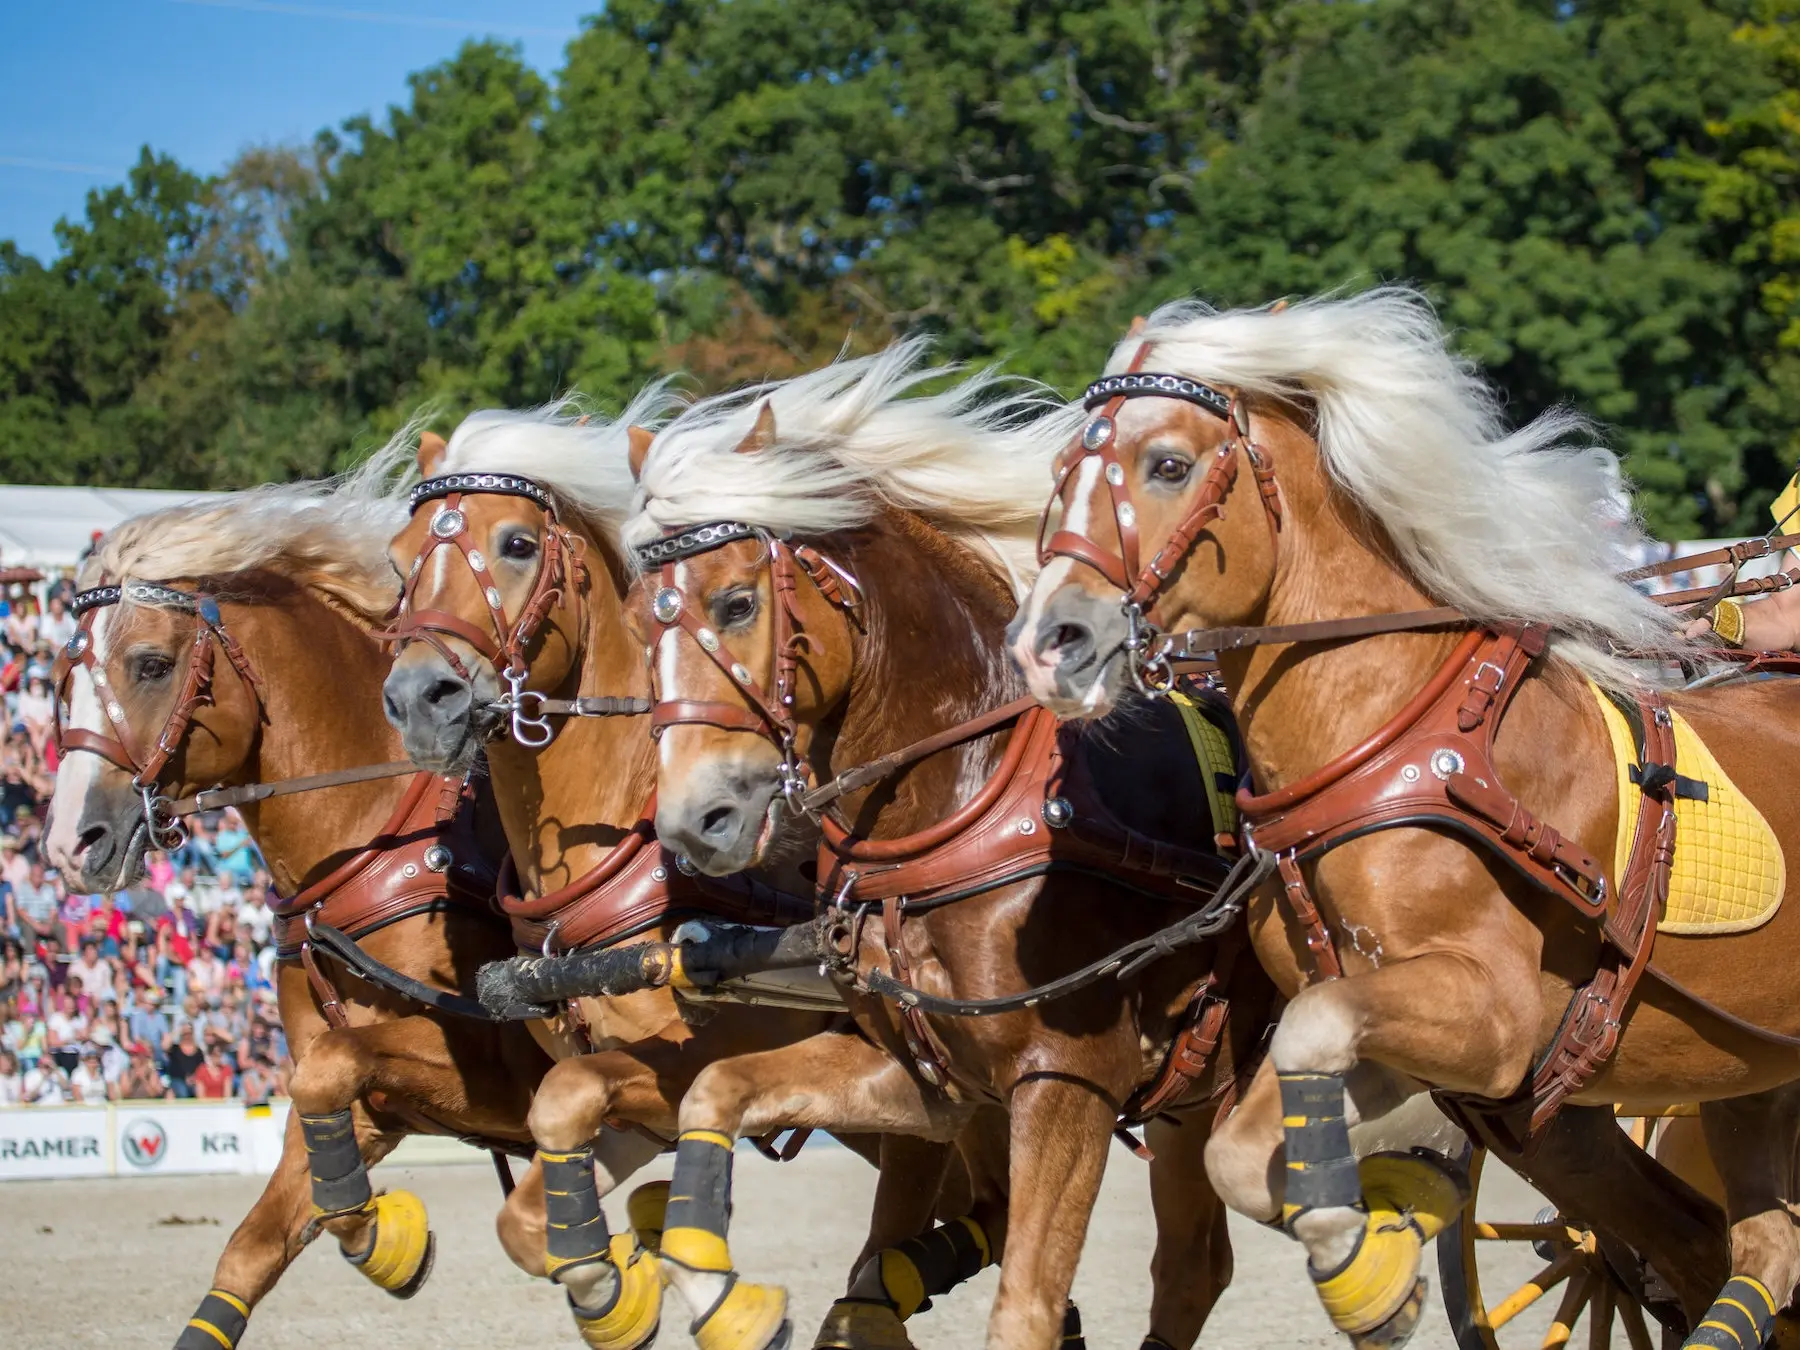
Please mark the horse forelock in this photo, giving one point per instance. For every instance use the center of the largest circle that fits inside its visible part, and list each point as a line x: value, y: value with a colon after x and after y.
x: 1523, y: 525
x: 857, y: 436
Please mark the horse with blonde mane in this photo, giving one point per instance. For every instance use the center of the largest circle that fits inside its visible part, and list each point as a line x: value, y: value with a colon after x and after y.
x: 514, y: 604
x: 829, y: 564
x: 233, y: 643
x: 1484, y: 811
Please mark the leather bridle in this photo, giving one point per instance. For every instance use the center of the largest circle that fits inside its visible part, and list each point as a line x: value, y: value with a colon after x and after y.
x: 770, y: 711
x: 1147, y: 653
x: 561, y: 565
x: 122, y: 748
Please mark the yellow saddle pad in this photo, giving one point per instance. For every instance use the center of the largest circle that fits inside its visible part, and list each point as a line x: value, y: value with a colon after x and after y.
x: 1729, y: 871
x: 1218, y: 764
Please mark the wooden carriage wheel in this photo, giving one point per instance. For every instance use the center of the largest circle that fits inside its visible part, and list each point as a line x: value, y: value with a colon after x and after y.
x: 1485, y: 1308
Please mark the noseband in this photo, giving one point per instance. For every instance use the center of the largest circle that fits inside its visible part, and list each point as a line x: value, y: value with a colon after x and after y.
x: 1142, y: 586
x: 770, y: 712
x: 121, y: 748
x: 560, y: 564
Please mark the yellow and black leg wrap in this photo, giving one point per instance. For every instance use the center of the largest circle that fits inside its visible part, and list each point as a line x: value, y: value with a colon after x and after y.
x: 1072, y: 1337
x: 902, y: 1280
x: 1376, y: 1293
x: 1741, y: 1318
x: 340, y: 1182
x: 620, y: 1283
x: 217, y: 1324
x: 1321, y: 1169
x: 746, y: 1316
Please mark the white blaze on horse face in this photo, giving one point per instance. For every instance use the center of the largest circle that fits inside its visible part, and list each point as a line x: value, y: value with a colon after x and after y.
x: 78, y: 774
x: 1055, y: 575
x: 668, y: 663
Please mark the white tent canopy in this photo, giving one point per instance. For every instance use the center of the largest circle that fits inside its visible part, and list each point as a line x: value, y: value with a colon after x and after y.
x: 52, y: 526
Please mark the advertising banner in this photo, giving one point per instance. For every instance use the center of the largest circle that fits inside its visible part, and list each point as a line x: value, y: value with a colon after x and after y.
x: 55, y: 1141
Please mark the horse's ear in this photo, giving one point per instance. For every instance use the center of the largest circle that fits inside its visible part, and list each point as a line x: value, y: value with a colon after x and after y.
x: 431, y: 453
x: 1279, y: 305
x: 762, y: 435
x: 1138, y: 325
x: 641, y: 439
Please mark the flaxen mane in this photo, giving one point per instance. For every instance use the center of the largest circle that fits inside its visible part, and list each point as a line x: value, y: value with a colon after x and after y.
x: 972, y: 459
x: 1508, y: 526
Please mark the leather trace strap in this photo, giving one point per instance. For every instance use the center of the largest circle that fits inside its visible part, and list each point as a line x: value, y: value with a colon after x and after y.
x: 767, y: 712
x: 1142, y: 583
x: 146, y: 762
x: 561, y: 568
x: 1432, y: 764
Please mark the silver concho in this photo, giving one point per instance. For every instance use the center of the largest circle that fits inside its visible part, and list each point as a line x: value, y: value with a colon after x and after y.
x: 1446, y: 762
x: 77, y: 644
x: 740, y: 673
x: 447, y: 524
x: 438, y: 858
x: 493, y: 597
x: 476, y: 561
x: 667, y: 605
x: 1058, y: 812
x: 99, y: 677
x: 707, y: 639
x: 1097, y: 433
x: 1115, y: 474
x: 1127, y: 516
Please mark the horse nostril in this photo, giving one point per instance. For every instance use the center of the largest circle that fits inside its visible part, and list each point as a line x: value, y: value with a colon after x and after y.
x: 718, y: 821
x: 444, y: 691
x: 1071, y: 641
x: 90, y: 840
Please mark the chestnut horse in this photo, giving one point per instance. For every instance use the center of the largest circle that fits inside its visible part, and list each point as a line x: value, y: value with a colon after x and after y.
x: 1392, y: 560
x: 275, y: 587
x: 538, y: 498
x: 827, y: 581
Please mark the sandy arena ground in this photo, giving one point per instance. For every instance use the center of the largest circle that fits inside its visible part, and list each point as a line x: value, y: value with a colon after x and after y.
x: 122, y: 1263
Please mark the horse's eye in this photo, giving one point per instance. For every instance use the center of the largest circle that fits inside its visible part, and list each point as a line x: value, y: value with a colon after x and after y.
x: 150, y: 669
x: 1172, y: 469
x: 520, y: 547
x: 737, y: 608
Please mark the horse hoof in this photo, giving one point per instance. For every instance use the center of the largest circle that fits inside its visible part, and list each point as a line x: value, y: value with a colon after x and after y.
x: 862, y: 1324
x: 635, y: 1316
x: 1398, y: 1329
x: 748, y: 1317
x: 645, y: 1209
x: 402, y: 1249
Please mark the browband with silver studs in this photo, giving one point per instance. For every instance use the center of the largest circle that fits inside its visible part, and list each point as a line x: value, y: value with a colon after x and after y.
x: 700, y: 539
x: 506, y: 484
x: 1145, y: 384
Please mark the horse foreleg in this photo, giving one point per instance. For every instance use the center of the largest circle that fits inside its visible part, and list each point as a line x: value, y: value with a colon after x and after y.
x: 1192, y: 1264
x: 260, y: 1249
x: 612, y: 1280
x: 1061, y: 1129
x: 388, y: 1236
x: 830, y: 1081
x: 1447, y: 1018
x: 1752, y: 1141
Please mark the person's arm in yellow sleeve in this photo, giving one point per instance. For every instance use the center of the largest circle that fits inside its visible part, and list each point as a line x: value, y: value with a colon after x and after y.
x: 1771, y: 624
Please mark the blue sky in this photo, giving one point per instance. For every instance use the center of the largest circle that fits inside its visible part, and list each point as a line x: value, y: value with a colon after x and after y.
x: 84, y: 83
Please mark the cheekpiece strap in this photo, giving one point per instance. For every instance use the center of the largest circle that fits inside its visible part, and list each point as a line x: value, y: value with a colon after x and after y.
x: 506, y: 484
x: 700, y: 539
x: 1148, y: 384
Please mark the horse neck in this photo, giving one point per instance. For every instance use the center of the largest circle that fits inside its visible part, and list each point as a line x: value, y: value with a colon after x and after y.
x: 322, y: 675
x: 565, y: 806
x: 933, y: 655
x: 1301, y: 705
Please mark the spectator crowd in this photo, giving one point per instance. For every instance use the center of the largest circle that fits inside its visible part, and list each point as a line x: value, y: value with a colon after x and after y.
x: 162, y: 990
